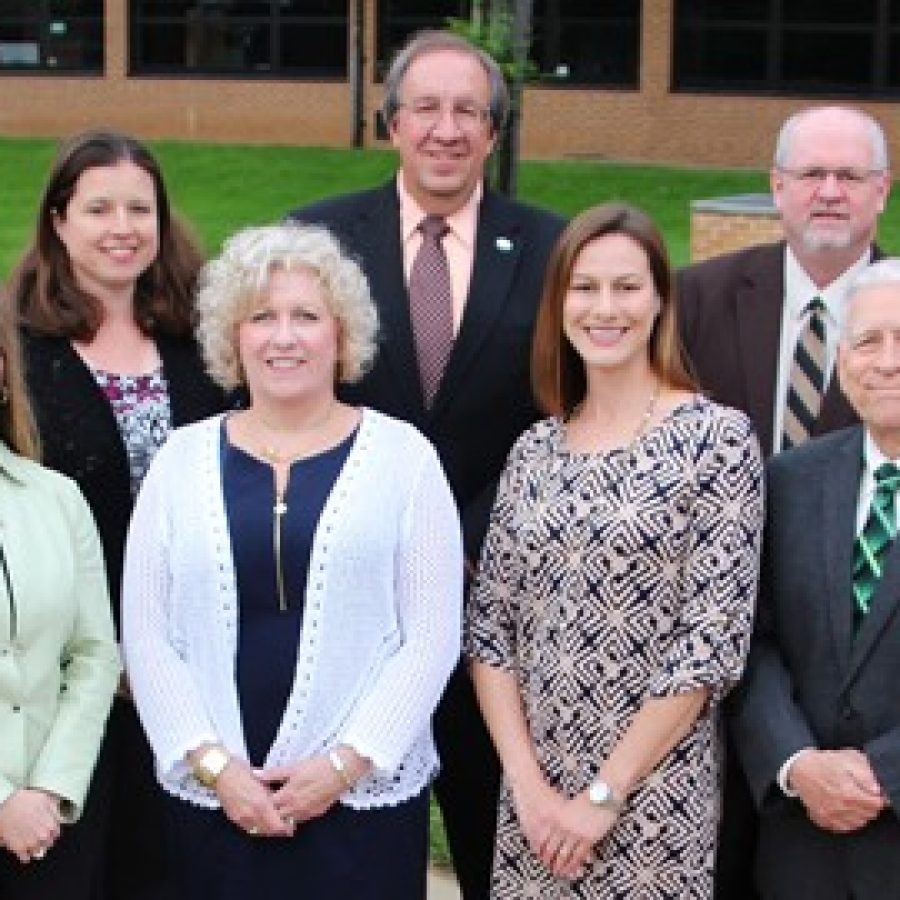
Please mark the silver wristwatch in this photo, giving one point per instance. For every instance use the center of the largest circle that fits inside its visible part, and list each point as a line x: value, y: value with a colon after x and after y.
x: 601, y: 794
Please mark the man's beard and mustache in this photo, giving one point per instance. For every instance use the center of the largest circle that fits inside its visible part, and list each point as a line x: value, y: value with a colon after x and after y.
x: 835, y: 235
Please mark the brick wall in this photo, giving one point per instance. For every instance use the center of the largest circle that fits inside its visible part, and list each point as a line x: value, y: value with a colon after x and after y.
x: 718, y: 232
x: 650, y: 124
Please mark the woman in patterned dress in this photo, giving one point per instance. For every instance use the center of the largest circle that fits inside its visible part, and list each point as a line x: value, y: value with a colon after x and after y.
x: 105, y: 300
x: 614, y: 603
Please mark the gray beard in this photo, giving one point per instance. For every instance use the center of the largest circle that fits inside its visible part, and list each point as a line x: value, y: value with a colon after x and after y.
x: 816, y: 243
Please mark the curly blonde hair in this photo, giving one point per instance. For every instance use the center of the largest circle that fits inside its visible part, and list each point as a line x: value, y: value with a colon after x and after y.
x: 231, y: 284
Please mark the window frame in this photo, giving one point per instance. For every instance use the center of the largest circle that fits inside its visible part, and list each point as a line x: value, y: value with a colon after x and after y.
x: 274, y: 22
x: 43, y: 19
x: 777, y: 28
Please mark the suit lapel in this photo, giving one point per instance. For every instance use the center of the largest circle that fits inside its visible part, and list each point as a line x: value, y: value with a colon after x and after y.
x: 498, y: 248
x: 836, y: 412
x: 758, y: 311
x: 839, y: 484
x: 378, y: 239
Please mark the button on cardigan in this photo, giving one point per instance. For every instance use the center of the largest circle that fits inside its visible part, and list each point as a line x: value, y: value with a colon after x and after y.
x: 382, y: 617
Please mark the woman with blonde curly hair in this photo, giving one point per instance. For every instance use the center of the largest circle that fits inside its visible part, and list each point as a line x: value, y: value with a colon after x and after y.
x: 292, y: 596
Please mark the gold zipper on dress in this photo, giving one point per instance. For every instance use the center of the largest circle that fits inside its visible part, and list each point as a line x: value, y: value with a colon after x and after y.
x: 278, y: 512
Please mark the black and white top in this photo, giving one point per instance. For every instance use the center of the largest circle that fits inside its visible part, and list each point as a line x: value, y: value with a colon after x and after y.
x: 607, y: 579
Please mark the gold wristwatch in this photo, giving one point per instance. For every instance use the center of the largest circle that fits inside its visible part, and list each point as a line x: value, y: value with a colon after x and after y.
x: 209, y: 765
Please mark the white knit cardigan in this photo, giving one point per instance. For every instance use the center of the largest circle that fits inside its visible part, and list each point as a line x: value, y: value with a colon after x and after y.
x: 381, y: 623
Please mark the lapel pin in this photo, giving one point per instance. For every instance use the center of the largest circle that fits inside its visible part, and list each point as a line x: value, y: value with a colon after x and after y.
x: 504, y: 244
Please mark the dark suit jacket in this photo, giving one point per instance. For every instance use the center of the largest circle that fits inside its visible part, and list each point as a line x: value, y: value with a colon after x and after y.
x: 80, y: 437
x: 809, y: 681
x: 484, y: 401
x: 730, y: 321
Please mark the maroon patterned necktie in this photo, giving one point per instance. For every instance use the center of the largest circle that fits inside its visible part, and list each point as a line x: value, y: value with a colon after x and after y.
x: 431, y: 305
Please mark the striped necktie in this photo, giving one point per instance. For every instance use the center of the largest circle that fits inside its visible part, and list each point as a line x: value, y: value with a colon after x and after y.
x: 807, y: 379
x: 431, y: 305
x: 873, y: 542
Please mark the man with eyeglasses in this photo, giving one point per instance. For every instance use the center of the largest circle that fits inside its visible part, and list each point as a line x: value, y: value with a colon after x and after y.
x: 761, y: 328
x: 456, y: 272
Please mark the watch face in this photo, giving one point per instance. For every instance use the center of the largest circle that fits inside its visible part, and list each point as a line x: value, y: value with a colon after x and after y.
x: 214, y: 760
x: 600, y: 794
x: 210, y: 766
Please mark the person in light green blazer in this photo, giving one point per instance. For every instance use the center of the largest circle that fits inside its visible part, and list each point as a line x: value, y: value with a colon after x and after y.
x: 59, y: 663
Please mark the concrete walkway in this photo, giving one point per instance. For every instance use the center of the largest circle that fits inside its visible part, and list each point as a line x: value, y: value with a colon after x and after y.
x: 442, y: 885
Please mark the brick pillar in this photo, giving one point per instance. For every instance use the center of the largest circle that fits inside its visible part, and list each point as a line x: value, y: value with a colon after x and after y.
x: 730, y: 223
x: 115, y: 37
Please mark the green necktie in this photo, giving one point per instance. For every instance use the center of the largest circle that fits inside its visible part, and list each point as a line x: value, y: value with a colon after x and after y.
x: 871, y: 546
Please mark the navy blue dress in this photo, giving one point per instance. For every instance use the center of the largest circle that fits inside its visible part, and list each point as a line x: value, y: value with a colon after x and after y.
x: 375, y: 854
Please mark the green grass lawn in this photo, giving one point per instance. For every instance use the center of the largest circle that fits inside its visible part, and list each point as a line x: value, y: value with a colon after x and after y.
x: 220, y: 188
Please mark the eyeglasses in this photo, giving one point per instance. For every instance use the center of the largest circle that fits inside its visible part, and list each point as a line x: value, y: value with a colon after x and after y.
x: 846, y: 177
x: 427, y: 111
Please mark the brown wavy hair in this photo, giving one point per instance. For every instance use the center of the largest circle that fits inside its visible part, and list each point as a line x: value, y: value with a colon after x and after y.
x: 17, y: 429
x: 558, y: 375
x: 43, y: 286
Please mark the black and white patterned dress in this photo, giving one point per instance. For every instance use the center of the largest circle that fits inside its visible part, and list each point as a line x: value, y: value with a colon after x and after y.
x: 607, y: 579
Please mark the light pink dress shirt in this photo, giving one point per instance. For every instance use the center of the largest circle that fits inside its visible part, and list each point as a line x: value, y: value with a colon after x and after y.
x: 459, y: 243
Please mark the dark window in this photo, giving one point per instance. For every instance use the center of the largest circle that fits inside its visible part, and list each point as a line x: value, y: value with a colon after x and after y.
x: 399, y: 19
x: 573, y: 41
x: 586, y: 42
x: 61, y: 36
x: 817, y: 47
x: 297, y: 38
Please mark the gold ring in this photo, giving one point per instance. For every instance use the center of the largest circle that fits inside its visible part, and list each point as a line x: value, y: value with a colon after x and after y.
x: 289, y: 821
x: 40, y: 853
x: 253, y: 831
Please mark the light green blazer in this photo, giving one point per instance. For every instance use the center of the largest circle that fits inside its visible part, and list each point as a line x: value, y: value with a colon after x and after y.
x: 59, y: 663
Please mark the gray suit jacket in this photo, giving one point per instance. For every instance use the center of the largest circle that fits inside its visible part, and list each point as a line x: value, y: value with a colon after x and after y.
x: 811, y: 681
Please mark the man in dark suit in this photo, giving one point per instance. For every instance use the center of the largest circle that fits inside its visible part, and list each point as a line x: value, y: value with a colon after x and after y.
x: 744, y: 318
x: 444, y: 104
x: 816, y: 718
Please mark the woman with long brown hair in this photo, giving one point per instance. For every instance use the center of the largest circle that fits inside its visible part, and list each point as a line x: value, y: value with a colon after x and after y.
x: 105, y: 300
x: 614, y: 603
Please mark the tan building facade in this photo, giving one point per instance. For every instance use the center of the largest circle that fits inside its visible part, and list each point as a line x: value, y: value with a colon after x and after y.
x: 649, y: 123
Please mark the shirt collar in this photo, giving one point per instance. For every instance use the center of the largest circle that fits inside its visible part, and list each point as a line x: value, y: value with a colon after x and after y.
x: 462, y: 223
x: 11, y: 464
x: 873, y: 456
x: 799, y: 288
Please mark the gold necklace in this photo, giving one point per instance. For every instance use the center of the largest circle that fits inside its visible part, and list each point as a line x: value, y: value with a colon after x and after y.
x: 646, y: 417
x: 644, y: 421
x: 274, y: 455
